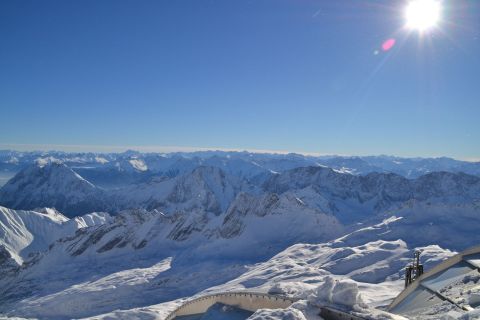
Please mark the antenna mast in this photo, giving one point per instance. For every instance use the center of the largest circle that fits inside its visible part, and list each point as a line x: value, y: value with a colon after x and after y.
x: 414, y: 270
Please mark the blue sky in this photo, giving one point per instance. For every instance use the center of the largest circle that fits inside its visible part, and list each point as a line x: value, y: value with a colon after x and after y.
x: 295, y: 75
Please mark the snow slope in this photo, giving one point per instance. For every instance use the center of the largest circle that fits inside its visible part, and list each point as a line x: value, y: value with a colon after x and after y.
x: 139, y: 240
x: 137, y: 264
x: 302, y: 271
x: 23, y: 233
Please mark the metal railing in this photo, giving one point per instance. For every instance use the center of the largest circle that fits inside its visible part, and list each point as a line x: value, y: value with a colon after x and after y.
x: 281, y: 301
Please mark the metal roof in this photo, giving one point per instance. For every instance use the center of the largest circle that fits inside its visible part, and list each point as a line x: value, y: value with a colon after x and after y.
x: 452, y: 286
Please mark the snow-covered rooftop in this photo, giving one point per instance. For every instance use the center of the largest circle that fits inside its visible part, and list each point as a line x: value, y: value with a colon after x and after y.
x: 452, y: 288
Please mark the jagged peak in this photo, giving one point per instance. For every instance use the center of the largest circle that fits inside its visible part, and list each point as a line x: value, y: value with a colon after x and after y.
x: 50, y: 170
x: 51, y: 212
x: 42, y: 162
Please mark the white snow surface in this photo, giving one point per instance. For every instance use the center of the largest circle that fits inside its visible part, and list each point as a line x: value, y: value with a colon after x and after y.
x: 26, y: 232
x: 212, y: 224
x: 134, y: 288
x: 279, y: 314
x: 138, y: 164
x: 299, y: 272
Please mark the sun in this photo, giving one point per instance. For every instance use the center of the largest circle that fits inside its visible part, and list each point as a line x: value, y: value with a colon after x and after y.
x: 422, y: 15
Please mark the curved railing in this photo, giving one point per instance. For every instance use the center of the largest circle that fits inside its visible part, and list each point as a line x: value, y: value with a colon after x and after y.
x: 251, y: 301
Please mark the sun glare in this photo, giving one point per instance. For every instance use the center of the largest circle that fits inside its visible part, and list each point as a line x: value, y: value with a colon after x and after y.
x: 422, y: 15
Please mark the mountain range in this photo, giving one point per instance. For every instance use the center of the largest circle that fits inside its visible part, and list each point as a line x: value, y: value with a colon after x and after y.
x: 110, y: 170
x: 179, y: 225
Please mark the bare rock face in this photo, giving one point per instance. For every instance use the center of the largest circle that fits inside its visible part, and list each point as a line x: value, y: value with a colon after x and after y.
x: 244, y: 205
x: 8, y: 265
x: 122, y: 232
x: 188, y: 224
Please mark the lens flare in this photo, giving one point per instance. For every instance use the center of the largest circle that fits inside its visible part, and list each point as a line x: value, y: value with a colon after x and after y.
x: 422, y: 15
x: 388, y: 44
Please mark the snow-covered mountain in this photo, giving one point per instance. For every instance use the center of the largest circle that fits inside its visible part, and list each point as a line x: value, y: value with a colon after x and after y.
x: 209, y: 189
x: 142, y: 258
x: 190, y: 224
x: 55, y: 185
x: 353, y: 198
x: 205, y: 188
x: 389, y: 186
x: 25, y: 233
x: 111, y: 170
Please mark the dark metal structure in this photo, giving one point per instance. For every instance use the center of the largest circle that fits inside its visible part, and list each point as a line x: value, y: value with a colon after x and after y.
x: 414, y: 270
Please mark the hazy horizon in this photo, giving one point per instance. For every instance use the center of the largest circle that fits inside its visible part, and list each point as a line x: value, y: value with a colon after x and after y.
x: 186, y: 149
x: 330, y: 77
